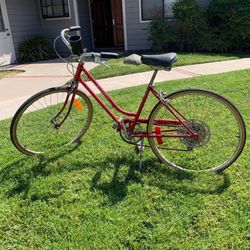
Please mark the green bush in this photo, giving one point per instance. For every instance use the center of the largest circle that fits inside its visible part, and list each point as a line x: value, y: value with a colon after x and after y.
x: 35, y: 48
x: 161, y: 34
x: 223, y: 27
x: 190, y: 24
x: 229, y: 25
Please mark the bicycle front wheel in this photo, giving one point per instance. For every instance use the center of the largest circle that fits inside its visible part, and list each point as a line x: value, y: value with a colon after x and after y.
x: 34, y: 127
x: 220, y: 126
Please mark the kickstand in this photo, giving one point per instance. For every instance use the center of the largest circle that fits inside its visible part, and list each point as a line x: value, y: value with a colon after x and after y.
x: 139, y: 150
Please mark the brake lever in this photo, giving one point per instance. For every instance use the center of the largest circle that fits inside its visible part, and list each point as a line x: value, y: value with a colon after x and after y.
x: 106, y: 65
x: 99, y: 61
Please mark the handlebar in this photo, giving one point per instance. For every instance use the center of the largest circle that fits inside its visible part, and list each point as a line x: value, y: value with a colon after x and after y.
x: 109, y: 55
x: 74, y: 28
x: 65, y: 34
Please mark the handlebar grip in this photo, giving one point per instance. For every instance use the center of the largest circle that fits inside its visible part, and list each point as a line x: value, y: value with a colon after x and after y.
x: 109, y: 55
x: 74, y: 28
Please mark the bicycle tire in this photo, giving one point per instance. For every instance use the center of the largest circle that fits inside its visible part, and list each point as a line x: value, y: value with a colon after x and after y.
x: 32, y: 131
x: 213, y: 135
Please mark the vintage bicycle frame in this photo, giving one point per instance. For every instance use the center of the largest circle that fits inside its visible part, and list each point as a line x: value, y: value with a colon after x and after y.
x: 135, y: 117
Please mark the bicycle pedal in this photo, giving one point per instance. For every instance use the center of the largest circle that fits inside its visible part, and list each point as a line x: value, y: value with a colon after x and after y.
x: 141, y: 149
x: 140, y: 165
x: 140, y: 162
x: 116, y: 125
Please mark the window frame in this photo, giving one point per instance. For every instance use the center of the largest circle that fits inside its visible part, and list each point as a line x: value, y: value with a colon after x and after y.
x: 64, y: 16
x: 141, y: 12
x: 150, y: 20
x: 2, y: 20
x: 166, y: 16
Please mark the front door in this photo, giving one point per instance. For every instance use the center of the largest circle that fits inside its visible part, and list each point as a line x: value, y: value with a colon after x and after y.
x: 6, y: 46
x: 117, y: 19
x: 107, y: 23
x: 102, y: 23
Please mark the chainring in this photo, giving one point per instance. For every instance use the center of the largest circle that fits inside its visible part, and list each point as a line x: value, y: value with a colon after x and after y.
x: 130, y: 139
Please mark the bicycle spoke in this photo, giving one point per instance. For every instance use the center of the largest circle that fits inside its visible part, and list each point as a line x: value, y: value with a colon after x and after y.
x: 209, y: 115
x: 35, y: 133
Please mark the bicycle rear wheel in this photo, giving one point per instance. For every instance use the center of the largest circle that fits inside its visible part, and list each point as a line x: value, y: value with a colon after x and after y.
x: 217, y: 121
x: 33, y: 128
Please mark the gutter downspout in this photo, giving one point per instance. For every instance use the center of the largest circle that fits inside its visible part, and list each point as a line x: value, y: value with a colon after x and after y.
x: 124, y: 25
x: 77, y: 20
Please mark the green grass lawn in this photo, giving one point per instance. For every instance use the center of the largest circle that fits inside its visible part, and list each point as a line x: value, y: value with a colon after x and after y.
x: 9, y: 73
x: 91, y: 196
x: 3, y: 74
x: 119, y: 68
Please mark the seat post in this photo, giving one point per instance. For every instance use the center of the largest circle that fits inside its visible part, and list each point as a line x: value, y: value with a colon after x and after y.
x: 153, y: 78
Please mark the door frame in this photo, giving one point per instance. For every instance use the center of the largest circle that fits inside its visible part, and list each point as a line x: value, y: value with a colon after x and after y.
x: 124, y: 25
x: 7, y: 24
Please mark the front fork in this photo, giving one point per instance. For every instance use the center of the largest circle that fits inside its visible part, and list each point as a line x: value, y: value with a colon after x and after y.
x: 72, y: 85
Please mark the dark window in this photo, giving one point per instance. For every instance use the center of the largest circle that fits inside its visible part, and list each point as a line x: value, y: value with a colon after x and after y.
x: 2, y: 26
x: 168, y: 11
x: 151, y: 9
x: 54, y: 8
x: 154, y: 8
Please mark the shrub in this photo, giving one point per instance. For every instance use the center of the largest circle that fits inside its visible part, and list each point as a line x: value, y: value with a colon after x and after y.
x: 222, y: 27
x: 161, y: 34
x: 190, y: 24
x: 229, y: 22
x: 35, y: 48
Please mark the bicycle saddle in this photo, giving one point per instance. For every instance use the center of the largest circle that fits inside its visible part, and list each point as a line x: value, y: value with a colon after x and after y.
x: 163, y: 60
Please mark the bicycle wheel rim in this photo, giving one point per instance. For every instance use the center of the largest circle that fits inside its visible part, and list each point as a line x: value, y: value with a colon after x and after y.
x: 32, y: 131
x: 217, y: 153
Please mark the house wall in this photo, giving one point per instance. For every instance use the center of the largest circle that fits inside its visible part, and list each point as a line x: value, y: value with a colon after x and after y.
x: 84, y: 18
x: 203, y: 3
x: 24, y: 20
x: 51, y: 28
x: 138, y: 31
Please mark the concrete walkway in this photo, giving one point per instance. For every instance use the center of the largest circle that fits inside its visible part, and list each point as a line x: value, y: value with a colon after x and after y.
x: 16, y: 89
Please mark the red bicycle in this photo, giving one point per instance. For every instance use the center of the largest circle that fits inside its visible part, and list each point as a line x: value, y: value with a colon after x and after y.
x: 192, y: 129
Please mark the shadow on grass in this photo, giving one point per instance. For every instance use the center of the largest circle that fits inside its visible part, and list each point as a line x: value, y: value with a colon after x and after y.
x: 157, y: 175
x: 22, y: 175
x: 124, y: 172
